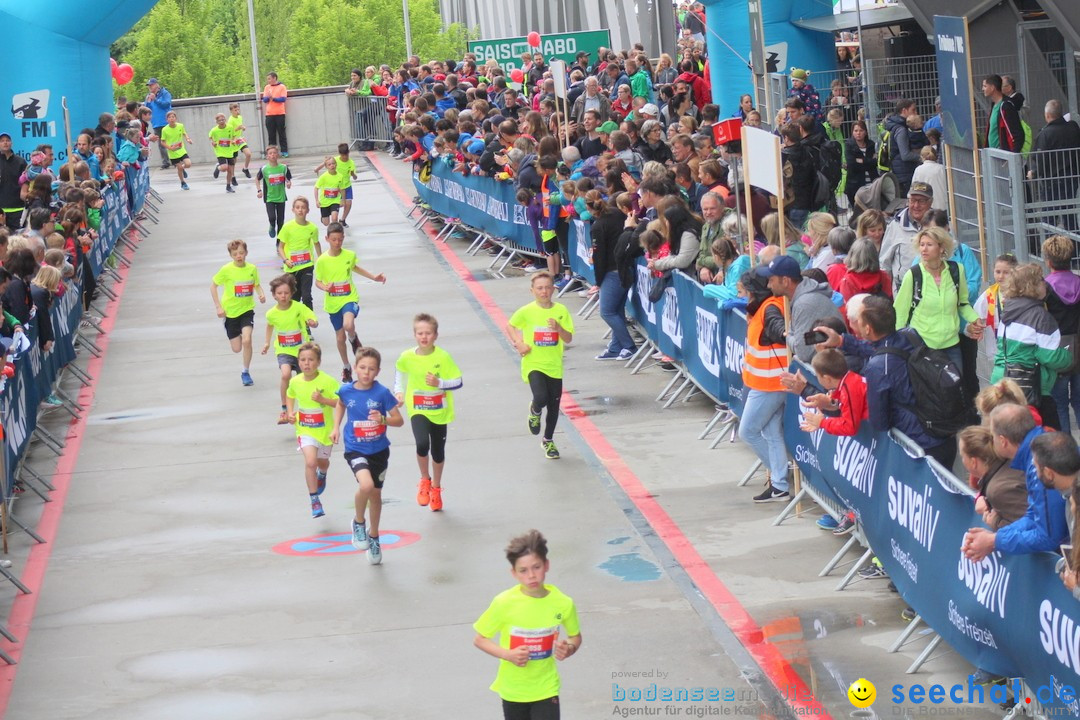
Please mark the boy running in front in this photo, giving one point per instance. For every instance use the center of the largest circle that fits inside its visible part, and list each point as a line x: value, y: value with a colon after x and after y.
x: 311, y: 395
x: 236, y: 124
x: 426, y: 376
x: 538, y: 332
x: 273, y: 179
x: 333, y: 275
x: 287, y: 325
x: 527, y: 618
x: 237, y: 306
x: 221, y: 137
x: 368, y: 408
x: 298, y: 247
x: 346, y: 168
x: 172, y: 138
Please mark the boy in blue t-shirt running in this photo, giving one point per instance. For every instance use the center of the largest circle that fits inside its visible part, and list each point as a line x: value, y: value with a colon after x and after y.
x: 369, y: 408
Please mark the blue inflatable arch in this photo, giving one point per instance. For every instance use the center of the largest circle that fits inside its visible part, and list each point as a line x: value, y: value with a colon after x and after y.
x: 60, y: 49
x: 789, y: 46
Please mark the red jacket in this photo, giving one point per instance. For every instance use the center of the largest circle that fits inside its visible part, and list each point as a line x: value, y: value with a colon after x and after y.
x: 849, y: 284
x: 850, y: 395
x: 700, y: 86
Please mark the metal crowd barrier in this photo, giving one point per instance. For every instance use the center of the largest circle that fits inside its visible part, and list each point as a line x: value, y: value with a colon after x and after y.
x: 370, y: 119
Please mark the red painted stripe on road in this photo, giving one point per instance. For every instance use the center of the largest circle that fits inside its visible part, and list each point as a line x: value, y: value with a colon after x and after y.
x: 768, y: 657
x: 21, y: 617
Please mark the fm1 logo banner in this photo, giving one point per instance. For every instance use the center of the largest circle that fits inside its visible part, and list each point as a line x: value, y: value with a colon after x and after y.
x: 31, y: 112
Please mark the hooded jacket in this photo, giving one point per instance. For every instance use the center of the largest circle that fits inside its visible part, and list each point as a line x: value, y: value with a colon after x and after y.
x: 897, y: 251
x: 1028, y: 336
x: 528, y: 177
x: 1063, y: 300
x: 904, y: 160
x: 811, y: 302
x: 1004, y: 490
x: 700, y: 86
x: 1043, y: 526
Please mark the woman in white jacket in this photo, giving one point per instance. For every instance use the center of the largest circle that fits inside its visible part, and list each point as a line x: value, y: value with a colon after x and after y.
x: 933, y: 173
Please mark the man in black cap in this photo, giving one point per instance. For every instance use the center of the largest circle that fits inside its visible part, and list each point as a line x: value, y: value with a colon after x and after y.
x: 11, y: 167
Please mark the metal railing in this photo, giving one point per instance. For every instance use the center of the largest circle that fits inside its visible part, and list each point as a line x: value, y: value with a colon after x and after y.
x: 1030, y: 198
x: 370, y: 119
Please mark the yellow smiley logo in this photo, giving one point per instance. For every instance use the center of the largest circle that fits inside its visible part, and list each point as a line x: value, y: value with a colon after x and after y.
x: 862, y: 693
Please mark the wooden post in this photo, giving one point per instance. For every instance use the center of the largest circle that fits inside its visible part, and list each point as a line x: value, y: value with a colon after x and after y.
x: 67, y: 131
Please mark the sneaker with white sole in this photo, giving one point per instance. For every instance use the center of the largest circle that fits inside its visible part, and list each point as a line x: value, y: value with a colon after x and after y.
x: 608, y: 355
x: 873, y: 571
x: 550, y: 451
x: 626, y: 354
x: 827, y: 522
x: 374, y: 554
x: 360, y: 538
x: 245, y: 378
x: 773, y: 494
x: 317, y: 508
x: 534, y: 421
x: 845, y: 526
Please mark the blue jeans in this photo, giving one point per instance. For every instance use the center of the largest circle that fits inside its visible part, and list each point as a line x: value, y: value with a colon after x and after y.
x: 1066, y: 393
x: 761, y: 427
x: 612, y: 311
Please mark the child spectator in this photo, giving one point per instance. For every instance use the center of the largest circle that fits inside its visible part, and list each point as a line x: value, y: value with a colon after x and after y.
x: 846, y: 405
x: 988, y: 305
x: 655, y: 246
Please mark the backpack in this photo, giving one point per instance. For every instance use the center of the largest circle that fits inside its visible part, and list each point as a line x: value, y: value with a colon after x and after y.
x: 884, y: 152
x: 820, y: 192
x: 1025, y: 147
x: 831, y: 162
x: 936, y: 385
x: 917, y: 284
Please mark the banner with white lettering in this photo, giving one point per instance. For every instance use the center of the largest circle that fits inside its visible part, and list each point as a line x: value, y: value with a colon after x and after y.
x: 481, y: 202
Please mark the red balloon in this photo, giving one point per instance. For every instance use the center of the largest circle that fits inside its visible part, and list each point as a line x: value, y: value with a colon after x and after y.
x: 516, y: 75
x: 534, y: 39
x: 112, y: 64
x: 124, y: 73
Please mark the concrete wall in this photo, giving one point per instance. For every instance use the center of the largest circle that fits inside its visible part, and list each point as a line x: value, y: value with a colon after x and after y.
x: 317, y: 120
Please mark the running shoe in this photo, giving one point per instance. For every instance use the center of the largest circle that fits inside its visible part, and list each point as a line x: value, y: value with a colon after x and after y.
x: 626, y: 354
x: 184, y: 186
x: 228, y: 188
x: 217, y: 172
x: 374, y: 555
x: 165, y: 166
x: 53, y: 400
x: 873, y: 571
x: 272, y: 233
x: 908, y: 614
x: 424, y: 494
x: 985, y: 677
x: 344, y: 224
x: 284, y: 154
x: 772, y: 494
x: 247, y: 173
x: 827, y: 522
x: 846, y: 525
x: 608, y: 355
x: 562, y: 282
x: 355, y: 343
x: 234, y: 183
x: 550, y: 451
x: 346, y: 375
x: 317, y: 508
x: 436, y: 499
x: 321, y: 478
x: 283, y: 418
x: 359, y: 535
x: 245, y: 377
x: 534, y: 421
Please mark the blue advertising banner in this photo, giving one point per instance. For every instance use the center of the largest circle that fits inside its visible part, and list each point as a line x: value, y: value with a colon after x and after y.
x: 481, y: 202
x: 733, y: 323
x: 581, y: 262
x: 643, y: 310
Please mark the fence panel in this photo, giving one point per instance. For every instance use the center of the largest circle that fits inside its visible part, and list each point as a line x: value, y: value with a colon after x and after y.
x: 370, y: 119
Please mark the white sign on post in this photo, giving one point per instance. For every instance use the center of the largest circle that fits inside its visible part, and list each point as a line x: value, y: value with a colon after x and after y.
x: 761, y: 158
x: 558, y: 75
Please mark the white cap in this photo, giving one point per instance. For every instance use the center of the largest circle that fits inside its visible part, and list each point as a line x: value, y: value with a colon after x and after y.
x: 650, y: 109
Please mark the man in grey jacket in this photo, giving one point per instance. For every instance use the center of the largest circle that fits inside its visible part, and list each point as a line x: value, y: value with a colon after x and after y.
x: 897, y: 250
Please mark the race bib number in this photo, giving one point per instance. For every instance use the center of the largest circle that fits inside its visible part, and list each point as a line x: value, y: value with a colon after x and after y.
x: 540, y: 641
x: 331, y: 193
x: 545, y: 337
x: 291, y: 338
x: 368, y: 430
x: 299, y: 258
x: 275, y: 179
x: 429, y: 400
x: 243, y: 290
x: 340, y: 289
x: 224, y: 143
x: 239, y: 141
x: 310, y: 418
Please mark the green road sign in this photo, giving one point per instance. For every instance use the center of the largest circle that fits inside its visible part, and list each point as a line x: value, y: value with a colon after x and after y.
x: 562, y: 46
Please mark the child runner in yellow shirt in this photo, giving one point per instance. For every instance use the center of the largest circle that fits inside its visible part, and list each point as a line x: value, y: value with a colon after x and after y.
x: 236, y: 124
x: 538, y: 332
x: 328, y: 191
x: 311, y: 399
x: 346, y: 168
x: 527, y: 618
x: 425, y: 380
x: 240, y: 280
x: 221, y: 137
x: 333, y: 275
x: 298, y: 247
x: 172, y: 139
x: 287, y: 325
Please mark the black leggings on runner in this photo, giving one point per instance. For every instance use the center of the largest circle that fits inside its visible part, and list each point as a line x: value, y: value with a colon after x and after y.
x: 303, y: 278
x: 429, y: 437
x: 546, y: 391
x: 539, y: 710
x: 275, y: 213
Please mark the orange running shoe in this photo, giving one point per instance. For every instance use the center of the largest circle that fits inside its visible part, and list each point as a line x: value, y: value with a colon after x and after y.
x: 436, y: 498
x: 422, y: 495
